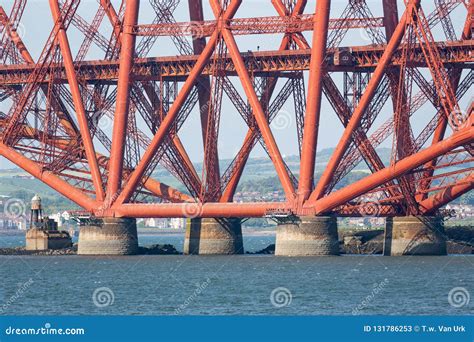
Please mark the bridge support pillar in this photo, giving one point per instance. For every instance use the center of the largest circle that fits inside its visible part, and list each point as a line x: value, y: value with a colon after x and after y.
x: 414, y: 236
x: 111, y: 236
x: 213, y: 236
x: 307, y: 236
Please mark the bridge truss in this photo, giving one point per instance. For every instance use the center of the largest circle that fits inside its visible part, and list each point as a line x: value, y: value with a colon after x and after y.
x: 416, y: 60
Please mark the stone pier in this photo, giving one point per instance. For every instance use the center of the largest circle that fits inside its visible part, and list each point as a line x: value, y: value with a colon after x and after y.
x: 111, y: 236
x: 42, y: 240
x: 307, y: 236
x: 213, y: 236
x: 412, y: 235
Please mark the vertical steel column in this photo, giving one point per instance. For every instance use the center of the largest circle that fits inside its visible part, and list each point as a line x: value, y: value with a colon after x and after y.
x: 390, y: 17
x: 204, y: 87
x: 469, y: 26
x: 203, y: 83
x: 361, y: 108
x: 313, y: 107
x: 78, y: 104
x: 174, y: 110
x: 122, y: 107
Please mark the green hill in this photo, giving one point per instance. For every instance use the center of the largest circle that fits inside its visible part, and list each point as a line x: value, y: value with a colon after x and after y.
x: 259, y: 176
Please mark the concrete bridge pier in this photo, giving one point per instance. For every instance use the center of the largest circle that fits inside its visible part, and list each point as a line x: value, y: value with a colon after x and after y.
x: 208, y: 236
x: 412, y: 235
x: 110, y: 236
x: 307, y: 236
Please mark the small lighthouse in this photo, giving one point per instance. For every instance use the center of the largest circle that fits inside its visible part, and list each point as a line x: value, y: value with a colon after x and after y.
x: 43, y: 233
x: 36, y: 212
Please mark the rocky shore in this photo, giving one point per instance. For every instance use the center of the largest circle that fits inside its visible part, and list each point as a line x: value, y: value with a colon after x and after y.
x: 361, y: 242
x: 158, y: 250
x: 23, y: 251
x: 148, y: 250
x: 267, y: 250
x: 460, y: 241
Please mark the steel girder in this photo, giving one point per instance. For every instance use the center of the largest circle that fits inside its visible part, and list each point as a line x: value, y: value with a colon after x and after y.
x: 51, y: 129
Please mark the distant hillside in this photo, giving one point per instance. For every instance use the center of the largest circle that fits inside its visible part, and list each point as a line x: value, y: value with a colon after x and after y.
x: 14, y: 183
x: 259, y: 176
x: 258, y: 168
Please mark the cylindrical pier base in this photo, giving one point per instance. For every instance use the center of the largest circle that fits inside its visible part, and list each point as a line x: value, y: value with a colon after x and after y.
x: 113, y: 236
x: 414, y: 236
x: 213, y: 236
x: 308, y: 236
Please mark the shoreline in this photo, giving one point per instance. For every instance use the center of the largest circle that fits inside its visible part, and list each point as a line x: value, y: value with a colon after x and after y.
x: 460, y: 241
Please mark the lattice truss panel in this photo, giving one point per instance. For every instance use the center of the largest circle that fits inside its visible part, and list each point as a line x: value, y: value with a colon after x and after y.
x: 97, y: 112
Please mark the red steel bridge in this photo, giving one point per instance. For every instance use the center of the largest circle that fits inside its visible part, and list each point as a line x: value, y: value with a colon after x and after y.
x: 416, y: 61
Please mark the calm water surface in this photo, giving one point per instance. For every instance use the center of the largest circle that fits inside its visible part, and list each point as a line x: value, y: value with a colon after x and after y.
x: 230, y: 285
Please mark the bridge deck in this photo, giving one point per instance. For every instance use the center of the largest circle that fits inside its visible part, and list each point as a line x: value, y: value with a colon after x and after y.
x: 264, y: 62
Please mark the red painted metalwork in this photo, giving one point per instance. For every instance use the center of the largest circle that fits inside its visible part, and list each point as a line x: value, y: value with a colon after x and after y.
x: 54, y: 105
x: 315, y: 96
x: 122, y: 107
